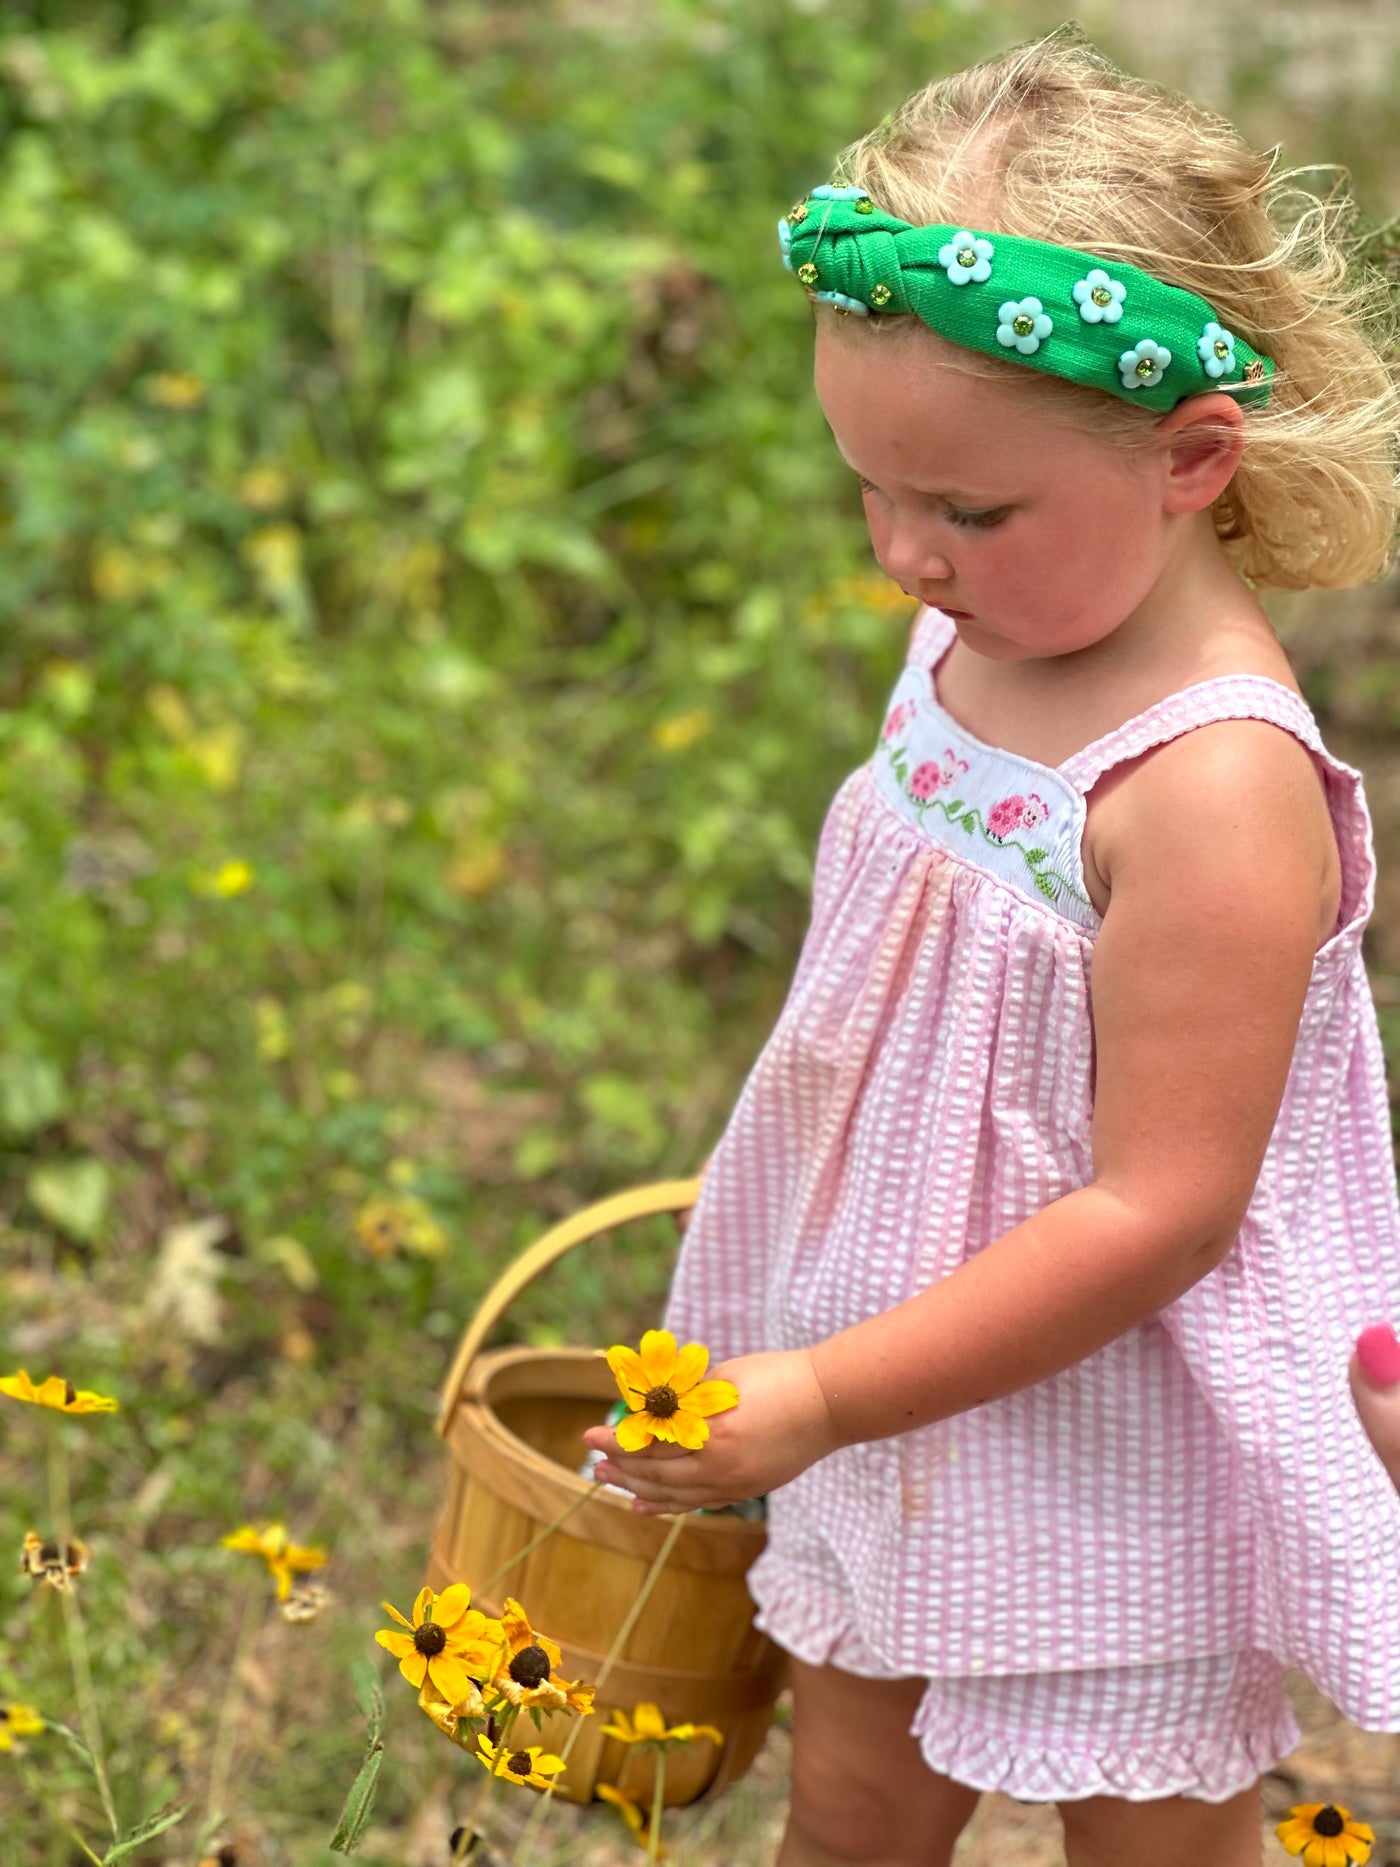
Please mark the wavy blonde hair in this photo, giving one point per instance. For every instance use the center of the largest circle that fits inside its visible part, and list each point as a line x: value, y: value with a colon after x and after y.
x: 1051, y: 142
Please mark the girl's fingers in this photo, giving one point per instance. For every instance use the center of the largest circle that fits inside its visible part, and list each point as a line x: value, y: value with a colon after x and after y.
x: 1375, y: 1387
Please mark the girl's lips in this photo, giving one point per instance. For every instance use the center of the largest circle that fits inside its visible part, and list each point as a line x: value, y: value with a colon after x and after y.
x: 958, y: 615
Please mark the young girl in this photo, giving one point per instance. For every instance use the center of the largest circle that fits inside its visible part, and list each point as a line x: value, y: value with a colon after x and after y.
x: 1038, y: 1239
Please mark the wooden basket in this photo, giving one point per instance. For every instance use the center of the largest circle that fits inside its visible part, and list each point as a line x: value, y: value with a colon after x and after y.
x: 514, y: 1421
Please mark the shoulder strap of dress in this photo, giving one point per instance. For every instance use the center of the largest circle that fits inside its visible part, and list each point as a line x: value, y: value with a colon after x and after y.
x: 931, y: 634
x: 1227, y: 697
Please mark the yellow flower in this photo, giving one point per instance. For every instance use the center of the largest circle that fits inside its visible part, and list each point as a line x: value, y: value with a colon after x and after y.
x: 54, y: 1562
x: 534, y: 1766
x: 632, y: 1815
x: 447, y: 1641
x: 229, y: 879
x: 449, y: 1717
x: 283, y: 1557
x: 55, y: 1392
x: 1325, y: 1835
x: 647, y: 1726
x: 388, y: 1226
x: 681, y: 730
x: 175, y: 389
x: 662, y: 1386
x: 18, y: 1721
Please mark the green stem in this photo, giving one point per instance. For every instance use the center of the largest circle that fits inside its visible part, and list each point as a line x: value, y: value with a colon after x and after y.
x: 75, y: 1633
x: 654, y: 1838
x: 226, y: 1736
x: 534, y: 1542
x: 36, y: 1789
x: 537, y: 1814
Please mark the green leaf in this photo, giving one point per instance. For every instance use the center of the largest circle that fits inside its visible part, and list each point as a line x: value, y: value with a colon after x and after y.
x: 369, y: 1695
x: 354, y: 1817
x: 72, y: 1195
x: 1035, y: 857
x: 32, y: 1094
x: 145, y: 1831
x: 955, y: 807
x: 969, y: 823
x: 1047, y: 886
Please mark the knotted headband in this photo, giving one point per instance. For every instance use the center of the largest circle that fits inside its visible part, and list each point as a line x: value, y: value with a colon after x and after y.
x: 1050, y: 307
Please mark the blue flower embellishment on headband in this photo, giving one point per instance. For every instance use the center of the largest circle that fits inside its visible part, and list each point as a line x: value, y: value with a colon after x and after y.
x: 967, y: 261
x: 1216, y: 350
x: 1144, y: 366
x: 1099, y: 298
x: 1024, y: 323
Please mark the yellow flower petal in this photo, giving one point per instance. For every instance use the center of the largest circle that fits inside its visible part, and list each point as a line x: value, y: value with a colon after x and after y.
x: 691, y: 1363
x: 658, y: 1356
x: 648, y: 1721
x: 628, y: 1810
x: 450, y: 1676
x: 635, y: 1432
x: 421, y: 1602
x: 629, y: 1373
x: 414, y: 1667
x: 389, y: 1608
x: 712, y: 1397
x: 690, y: 1430
x: 452, y: 1604
x: 400, y: 1645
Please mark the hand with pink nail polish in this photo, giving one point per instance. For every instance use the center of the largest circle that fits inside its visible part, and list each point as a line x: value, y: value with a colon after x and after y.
x: 1375, y: 1387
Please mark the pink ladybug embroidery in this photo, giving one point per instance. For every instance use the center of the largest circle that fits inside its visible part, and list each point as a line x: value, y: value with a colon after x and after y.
x: 899, y: 718
x: 1004, y: 817
x: 1034, y: 812
x: 924, y: 780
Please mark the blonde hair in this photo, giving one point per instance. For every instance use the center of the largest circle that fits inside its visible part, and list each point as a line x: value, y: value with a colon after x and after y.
x: 1051, y: 142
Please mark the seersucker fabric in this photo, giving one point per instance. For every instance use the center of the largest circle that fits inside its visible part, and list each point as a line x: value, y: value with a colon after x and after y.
x: 1198, y: 1487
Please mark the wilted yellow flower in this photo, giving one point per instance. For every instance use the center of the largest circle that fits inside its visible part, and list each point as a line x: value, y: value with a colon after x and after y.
x: 448, y: 1641
x: 388, y: 1226
x: 449, y: 1718
x: 17, y: 1721
x: 57, y: 1561
x: 639, y: 1824
x: 55, y: 1392
x: 527, y: 1670
x: 174, y: 389
x: 534, y: 1766
x: 283, y: 1557
x: 681, y: 730
x: 647, y: 1726
x: 663, y: 1388
x: 1325, y: 1835
x: 305, y: 1602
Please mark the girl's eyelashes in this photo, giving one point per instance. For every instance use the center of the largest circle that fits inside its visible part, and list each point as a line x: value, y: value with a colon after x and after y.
x: 980, y: 521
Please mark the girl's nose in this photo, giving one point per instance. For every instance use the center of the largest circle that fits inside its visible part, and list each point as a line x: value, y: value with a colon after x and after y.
x: 910, y: 557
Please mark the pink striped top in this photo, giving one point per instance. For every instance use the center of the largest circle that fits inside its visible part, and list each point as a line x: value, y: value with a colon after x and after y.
x: 1201, y: 1484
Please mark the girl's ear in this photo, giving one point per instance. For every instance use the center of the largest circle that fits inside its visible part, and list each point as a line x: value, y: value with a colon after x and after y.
x: 1203, y: 438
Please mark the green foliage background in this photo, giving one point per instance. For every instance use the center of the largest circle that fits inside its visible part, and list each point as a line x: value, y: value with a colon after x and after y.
x: 432, y: 624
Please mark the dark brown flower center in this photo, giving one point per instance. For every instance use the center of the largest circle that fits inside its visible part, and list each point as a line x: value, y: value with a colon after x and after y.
x: 429, y: 1639
x: 70, y: 1393
x: 51, y: 1555
x: 4, y: 1714
x: 519, y: 1763
x: 1328, y: 1821
x: 662, y: 1402
x: 530, y: 1667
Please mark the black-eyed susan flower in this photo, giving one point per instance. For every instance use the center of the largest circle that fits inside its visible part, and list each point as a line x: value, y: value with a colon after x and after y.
x: 55, y: 1560
x: 448, y: 1641
x: 663, y: 1389
x: 639, y: 1824
x: 527, y: 1672
x: 647, y: 1726
x: 55, y: 1392
x: 386, y: 1227
x: 1325, y: 1836
x: 17, y: 1721
x: 284, y: 1558
x: 534, y: 1766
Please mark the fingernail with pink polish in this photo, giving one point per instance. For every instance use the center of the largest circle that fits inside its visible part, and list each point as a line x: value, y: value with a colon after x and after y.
x: 1378, y: 1352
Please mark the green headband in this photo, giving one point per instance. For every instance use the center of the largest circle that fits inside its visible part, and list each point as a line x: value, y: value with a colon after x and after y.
x: 1094, y: 321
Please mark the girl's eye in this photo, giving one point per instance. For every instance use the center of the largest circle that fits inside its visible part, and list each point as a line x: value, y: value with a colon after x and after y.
x: 983, y: 521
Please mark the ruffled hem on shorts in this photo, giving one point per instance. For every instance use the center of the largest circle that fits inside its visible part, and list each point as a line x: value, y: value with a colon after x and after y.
x: 812, y: 1624
x: 1207, y: 1771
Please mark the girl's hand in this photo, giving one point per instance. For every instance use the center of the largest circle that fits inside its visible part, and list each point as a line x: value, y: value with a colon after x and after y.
x: 781, y: 1426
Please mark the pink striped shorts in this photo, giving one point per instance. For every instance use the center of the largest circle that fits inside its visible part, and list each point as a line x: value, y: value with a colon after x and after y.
x: 1207, y: 1728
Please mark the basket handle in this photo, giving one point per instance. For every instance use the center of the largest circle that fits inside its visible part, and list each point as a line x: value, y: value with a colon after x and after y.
x: 638, y: 1202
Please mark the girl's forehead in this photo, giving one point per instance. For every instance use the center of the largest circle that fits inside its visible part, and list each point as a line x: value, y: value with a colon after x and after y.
x: 892, y: 400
